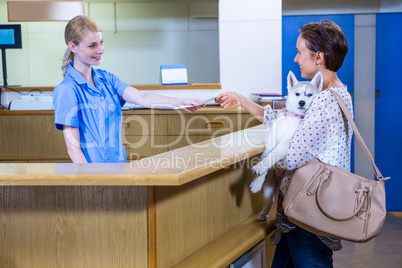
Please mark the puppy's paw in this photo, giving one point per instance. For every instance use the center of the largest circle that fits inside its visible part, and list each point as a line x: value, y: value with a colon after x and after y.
x: 276, y: 237
x: 262, y: 217
x: 256, y: 184
x: 259, y: 169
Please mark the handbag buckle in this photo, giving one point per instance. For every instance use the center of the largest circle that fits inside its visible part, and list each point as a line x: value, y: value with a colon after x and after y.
x: 327, y: 173
x: 322, y: 175
x: 383, y: 179
x: 367, y: 213
x: 362, y: 203
x: 362, y: 189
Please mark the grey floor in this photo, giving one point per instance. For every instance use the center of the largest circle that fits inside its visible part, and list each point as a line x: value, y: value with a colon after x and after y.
x: 384, y: 251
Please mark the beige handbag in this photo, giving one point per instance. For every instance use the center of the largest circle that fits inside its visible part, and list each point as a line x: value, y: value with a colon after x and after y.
x: 332, y: 202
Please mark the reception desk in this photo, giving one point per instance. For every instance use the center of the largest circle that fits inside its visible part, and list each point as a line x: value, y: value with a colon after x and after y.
x: 30, y: 136
x: 189, y: 207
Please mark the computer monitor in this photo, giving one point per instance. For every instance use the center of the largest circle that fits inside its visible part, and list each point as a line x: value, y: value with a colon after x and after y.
x: 10, y: 37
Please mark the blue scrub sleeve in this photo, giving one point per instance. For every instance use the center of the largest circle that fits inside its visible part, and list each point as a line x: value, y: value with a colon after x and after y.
x: 65, y: 107
x: 120, y: 87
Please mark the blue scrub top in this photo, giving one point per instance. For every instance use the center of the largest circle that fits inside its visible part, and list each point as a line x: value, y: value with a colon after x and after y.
x: 95, y: 111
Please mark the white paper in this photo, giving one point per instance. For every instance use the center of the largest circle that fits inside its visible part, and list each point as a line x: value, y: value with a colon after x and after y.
x: 174, y: 76
x: 198, y: 104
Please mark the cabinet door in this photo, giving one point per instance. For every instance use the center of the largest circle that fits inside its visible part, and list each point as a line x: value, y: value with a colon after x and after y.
x: 144, y: 125
x: 388, y: 125
x: 144, y: 135
x: 31, y: 136
x: 210, y: 124
x: 186, y: 130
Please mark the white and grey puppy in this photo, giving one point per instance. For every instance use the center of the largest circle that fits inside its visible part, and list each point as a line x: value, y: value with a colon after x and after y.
x: 300, y: 95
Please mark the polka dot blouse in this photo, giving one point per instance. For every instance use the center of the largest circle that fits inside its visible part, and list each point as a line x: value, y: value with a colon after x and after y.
x: 323, y: 133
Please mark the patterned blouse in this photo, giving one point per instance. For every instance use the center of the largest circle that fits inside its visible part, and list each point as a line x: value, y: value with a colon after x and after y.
x: 324, y: 134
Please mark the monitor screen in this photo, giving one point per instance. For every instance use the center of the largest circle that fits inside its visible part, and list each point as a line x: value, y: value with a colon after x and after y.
x: 10, y: 36
x: 7, y: 37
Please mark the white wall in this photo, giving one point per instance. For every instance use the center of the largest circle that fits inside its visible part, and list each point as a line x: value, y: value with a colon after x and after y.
x: 250, y: 45
x: 139, y: 37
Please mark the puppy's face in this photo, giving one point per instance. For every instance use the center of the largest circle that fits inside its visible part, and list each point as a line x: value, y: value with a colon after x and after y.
x: 301, y: 94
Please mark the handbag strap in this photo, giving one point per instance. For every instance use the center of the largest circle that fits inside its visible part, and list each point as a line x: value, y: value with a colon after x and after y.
x: 349, y: 117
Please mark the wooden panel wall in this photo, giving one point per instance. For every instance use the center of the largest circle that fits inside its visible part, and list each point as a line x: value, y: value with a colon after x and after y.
x: 33, y: 138
x: 192, y: 215
x: 47, y: 227
x: 30, y: 136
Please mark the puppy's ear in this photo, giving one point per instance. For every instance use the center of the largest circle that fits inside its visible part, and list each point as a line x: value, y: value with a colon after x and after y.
x: 318, y: 81
x: 292, y: 81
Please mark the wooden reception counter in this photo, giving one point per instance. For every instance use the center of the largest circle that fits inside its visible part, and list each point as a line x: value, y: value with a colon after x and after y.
x: 190, y: 207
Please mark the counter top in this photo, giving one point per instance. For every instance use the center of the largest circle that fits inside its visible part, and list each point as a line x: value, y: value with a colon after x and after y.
x: 205, y: 110
x: 175, y: 167
x: 139, y: 87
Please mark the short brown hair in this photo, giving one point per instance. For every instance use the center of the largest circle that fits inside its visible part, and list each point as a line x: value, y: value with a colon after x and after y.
x: 328, y: 38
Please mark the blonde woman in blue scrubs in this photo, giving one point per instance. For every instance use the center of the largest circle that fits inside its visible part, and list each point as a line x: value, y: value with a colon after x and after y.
x: 87, y: 103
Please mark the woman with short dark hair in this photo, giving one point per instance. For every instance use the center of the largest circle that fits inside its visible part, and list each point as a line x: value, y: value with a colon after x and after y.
x: 328, y: 38
x: 323, y: 133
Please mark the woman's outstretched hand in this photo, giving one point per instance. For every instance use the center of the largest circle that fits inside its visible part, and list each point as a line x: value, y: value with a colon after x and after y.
x: 228, y: 100
x: 190, y: 105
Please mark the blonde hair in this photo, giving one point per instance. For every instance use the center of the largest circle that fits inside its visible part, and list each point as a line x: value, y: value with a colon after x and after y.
x: 75, y: 32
